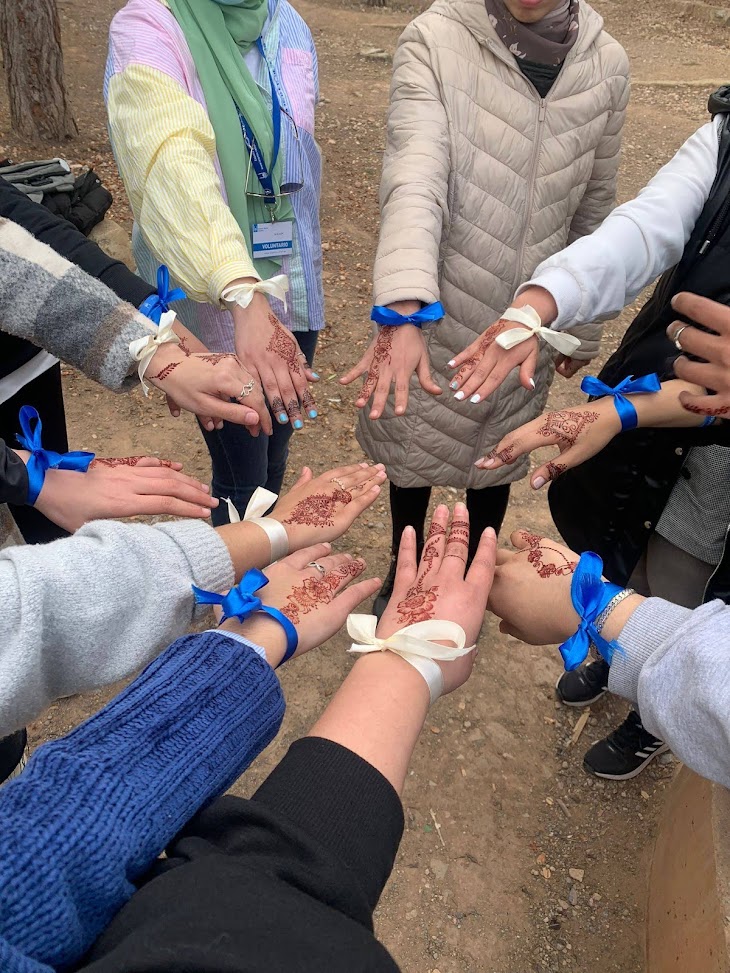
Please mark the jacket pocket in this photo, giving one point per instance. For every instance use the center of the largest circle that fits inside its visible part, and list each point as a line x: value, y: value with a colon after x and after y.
x: 297, y: 74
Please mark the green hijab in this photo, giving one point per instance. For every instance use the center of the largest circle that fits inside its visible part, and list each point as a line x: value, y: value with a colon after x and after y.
x: 219, y: 33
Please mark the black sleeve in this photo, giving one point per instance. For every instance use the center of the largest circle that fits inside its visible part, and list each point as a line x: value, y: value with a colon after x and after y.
x: 65, y: 239
x: 285, y: 881
x: 13, y: 477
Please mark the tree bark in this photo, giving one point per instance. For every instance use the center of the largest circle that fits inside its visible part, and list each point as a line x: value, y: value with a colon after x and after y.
x: 376, y: 3
x: 30, y: 35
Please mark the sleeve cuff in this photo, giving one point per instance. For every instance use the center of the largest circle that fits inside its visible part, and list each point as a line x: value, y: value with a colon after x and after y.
x: 240, y: 639
x: 223, y: 275
x: 565, y: 290
x: 210, y: 563
x: 653, y: 623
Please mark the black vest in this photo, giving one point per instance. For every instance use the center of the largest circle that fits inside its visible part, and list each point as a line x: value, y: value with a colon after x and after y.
x: 622, y: 491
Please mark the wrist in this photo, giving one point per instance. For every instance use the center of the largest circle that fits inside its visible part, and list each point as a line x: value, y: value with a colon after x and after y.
x: 541, y: 300
x: 248, y: 546
x: 405, y: 307
x: 263, y: 631
x: 618, y: 617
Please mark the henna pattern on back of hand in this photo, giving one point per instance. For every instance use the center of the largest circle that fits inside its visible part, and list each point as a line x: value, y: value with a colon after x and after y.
x: 313, y: 592
x: 166, y: 371
x: 215, y: 358
x: 418, y: 605
x: 566, y: 425
x: 485, y: 342
x: 319, y: 509
x: 113, y: 461
x: 284, y: 346
x: 381, y: 356
x: 535, y: 555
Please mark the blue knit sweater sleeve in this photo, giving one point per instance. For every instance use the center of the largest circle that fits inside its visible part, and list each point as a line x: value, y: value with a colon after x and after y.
x: 93, y: 810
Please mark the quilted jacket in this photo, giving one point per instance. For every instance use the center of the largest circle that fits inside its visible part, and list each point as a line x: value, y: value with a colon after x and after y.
x: 482, y: 180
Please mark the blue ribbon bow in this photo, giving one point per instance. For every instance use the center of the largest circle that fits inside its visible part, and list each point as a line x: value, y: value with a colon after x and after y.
x: 590, y: 594
x: 626, y: 412
x: 386, y: 316
x: 44, y: 459
x: 241, y: 602
x: 157, y: 304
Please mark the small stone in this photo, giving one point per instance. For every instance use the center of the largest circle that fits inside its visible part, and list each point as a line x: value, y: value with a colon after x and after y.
x: 439, y: 869
x: 540, y: 859
x: 576, y: 874
x: 573, y: 896
x: 563, y: 905
x: 645, y: 795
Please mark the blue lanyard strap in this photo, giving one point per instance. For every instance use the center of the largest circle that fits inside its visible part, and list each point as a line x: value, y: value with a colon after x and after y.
x: 389, y: 318
x: 263, y: 173
x: 590, y: 595
x: 626, y: 412
x: 157, y: 304
x: 242, y: 601
x: 44, y: 459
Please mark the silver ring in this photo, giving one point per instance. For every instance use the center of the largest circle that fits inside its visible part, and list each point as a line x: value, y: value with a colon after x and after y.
x: 322, y: 570
x: 247, y: 389
x: 676, y: 336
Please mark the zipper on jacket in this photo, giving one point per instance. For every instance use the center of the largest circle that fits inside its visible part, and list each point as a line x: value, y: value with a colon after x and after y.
x: 715, y: 227
x: 541, y: 112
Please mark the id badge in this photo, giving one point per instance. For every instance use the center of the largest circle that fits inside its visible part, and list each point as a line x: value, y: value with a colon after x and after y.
x: 272, y: 239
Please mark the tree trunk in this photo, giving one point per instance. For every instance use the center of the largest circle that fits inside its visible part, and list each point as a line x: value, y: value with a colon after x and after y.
x: 30, y: 34
x: 376, y: 3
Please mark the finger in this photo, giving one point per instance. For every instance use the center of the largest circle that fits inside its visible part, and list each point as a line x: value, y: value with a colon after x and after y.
x: 345, y: 572
x: 173, y: 407
x: 304, y: 477
x: 503, y: 555
x: 309, y: 405
x: 358, y: 370
x: 173, y: 488
x: 435, y: 543
x: 161, y: 471
x: 156, y: 505
x: 300, y: 559
x: 382, y: 391
x: 401, y: 380
x: 468, y: 352
x: 220, y: 409
x: 423, y: 371
x: 359, y: 477
x: 361, y: 501
x: 457, y: 544
x: 406, y: 567
x: 527, y: 371
x: 506, y: 452
x: 525, y: 539
x: 704, y: 405
x: 481, y: 571
x: 333, y: 562
x: 289, y: 397
x: 708, y: 376
x: 553, y: 469
x: 507, y: 629
x: 309, y: 373
x: 478, y: 376
x: 343, y: 472
x: 495, y: 378
x: 145, y: 461
x: 349, y: 598
x: 368, y: 387
x: 692, y: 341
x: 708, y: 313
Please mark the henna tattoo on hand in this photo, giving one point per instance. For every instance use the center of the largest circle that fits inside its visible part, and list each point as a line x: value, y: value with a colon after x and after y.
x: 112, y: 461
x: 381, y: 357
x: 166, y: 371
x: 698, y: 410
x: 319, y: 509
x: 566, y: 426
x: 313, y: 592
x: 431, y: 548
x: 418, y: 605
x: 277, y: 405
x: 459, y: 534
x: 284, y: 346
x: 215, y: 358
x: 485, y: 342
x: 292, y: 408
x: 506, y: 455
x: 183, y: 345
x: 308, y: 400
x: 538, y: 546
x: 554, y: 470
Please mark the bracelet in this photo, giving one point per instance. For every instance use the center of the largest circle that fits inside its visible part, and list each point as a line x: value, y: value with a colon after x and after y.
x: 242, y: 294
x: 40, y: 459
x: 613, y: 603
x: 527, y: 316
x: 636, y: 386
x: 415, y: 644
x: 591, y: 596
x: 143, y: 350
x: 708, y: 421
x: 389, y: 318
x: 261, y: 501
x: 241, y: 602
x: 154, y: 306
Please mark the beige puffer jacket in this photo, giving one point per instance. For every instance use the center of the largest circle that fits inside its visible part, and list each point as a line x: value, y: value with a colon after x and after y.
x: 482, y: 180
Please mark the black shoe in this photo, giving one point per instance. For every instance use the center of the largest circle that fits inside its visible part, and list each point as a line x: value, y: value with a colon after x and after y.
x: 383, y: 596
x: 584, y: 685
x: 625, y: 752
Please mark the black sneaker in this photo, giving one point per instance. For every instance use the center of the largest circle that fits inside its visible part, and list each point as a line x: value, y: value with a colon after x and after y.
x: 625, y: 752
x: 383, y: 596
x: 584, y: 685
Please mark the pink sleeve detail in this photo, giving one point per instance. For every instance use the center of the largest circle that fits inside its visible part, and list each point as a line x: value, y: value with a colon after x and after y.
x: 145, y: 32
x: 297, y: 74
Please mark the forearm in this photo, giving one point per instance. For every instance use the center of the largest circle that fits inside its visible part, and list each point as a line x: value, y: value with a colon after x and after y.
x: 215, y: 703
x: 664, y: 410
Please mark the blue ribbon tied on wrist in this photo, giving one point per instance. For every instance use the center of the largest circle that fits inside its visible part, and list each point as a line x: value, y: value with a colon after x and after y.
x: 391, y: 319
x: 242, y: 602
x: 44, y: 459
x: 590, y: 595
x: 626, y: 412
x: 158, y: 304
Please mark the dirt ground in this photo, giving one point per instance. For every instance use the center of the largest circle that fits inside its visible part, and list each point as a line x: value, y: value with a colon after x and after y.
x: 490, y: 891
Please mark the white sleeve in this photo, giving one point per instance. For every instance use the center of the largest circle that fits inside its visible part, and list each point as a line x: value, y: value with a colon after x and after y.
x: 598, y: 275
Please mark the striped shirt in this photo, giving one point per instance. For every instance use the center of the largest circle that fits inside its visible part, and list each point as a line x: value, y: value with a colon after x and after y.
x: 164, y: 146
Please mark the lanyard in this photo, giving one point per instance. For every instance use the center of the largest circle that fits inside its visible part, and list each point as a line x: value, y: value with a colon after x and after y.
x: 264, y: 174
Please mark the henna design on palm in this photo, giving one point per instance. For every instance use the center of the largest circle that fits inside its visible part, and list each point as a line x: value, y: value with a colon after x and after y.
x: 319, y: 509
x: 166, y: 371
x: 381, y: 357
x: 313, y: 592
x: 566, y: 426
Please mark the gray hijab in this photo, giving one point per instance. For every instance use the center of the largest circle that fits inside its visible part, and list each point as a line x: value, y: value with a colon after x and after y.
x: 545, y: 42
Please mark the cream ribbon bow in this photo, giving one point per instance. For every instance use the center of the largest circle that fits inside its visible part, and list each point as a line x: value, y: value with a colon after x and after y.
x: 242, y: 294
x: 415, y: 644
x: 143, y: 350
x: 566, y: 344
x: 261, y: 501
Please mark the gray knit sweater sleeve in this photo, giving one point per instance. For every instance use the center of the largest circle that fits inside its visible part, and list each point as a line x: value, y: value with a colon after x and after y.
x: 88, y: 610
x: 675, y: 665
x: 55, y: 305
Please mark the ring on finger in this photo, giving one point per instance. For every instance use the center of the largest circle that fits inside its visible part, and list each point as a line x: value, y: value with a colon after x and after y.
x: 320, y: 567
x: 247, y: 389
x: 677, y: 333
x: 339, y: 483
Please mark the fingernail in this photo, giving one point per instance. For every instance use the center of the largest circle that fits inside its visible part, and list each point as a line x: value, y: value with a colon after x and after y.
x: 298, y: 424
x: 491, y: 532
x: 532, y: 382
x: 282, y: 417
x: 205, y: 487
x: 452, y: 363
x: 315, y: 375
x: 459, y: 396
x: 487, y: 462
x: 176, y: 414
x: 313, y: 413
x: 453, y: 384
x: 475, y: 398
x: 215, y: 501
x: 205, y: 512
x: 538, y: 482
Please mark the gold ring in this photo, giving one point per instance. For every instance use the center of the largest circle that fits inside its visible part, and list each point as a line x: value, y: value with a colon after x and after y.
x: 339, y: 483
x: 247, y: 389
x: 322, y: 570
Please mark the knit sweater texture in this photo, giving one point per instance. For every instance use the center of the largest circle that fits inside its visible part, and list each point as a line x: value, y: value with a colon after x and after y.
x: 93, y: 810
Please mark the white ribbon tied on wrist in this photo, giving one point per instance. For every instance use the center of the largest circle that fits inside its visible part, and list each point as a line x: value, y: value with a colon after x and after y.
x: 566, y: 344
x: 416, y: 644
x: 242, y: 294
x: 143, y: 350
x: 261, y: 501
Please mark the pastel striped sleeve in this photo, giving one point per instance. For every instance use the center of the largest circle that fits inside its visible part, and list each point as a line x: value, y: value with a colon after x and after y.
x: 164, y: 145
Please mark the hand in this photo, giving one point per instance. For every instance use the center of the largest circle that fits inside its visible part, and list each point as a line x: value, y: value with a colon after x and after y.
x: 437, y: 588
x: 316, y: 600
x: 568, y: 367
x: 714, y: 348
x: 579, y: 433
x: 205, y: 386
x: 275, y: 360
x: 190, y: 345
x: 122, y: 487
x: 393, y: 356
x: 323, y: 508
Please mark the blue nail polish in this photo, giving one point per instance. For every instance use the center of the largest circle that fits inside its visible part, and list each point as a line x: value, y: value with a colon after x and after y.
x: 313, y: 413
x: 298, y: 424
x: 283, y: 417
x: 453, y: 385
x: 315, y: 374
